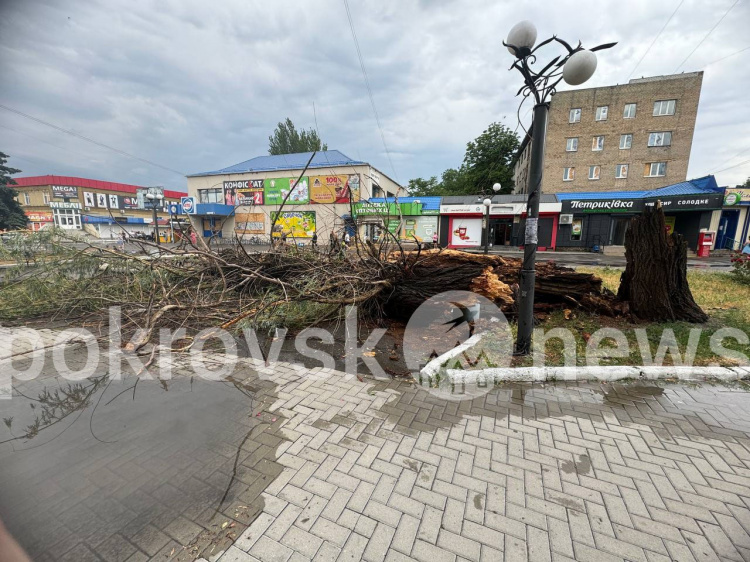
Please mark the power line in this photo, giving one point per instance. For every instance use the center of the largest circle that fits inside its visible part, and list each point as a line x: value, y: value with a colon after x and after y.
x: 731, y: 167
x: 726, y: 57
x: 706, y: 36
x: 655, y: 38
x: 369, y: 89
x: 740, y: 153
x: 92, y: 141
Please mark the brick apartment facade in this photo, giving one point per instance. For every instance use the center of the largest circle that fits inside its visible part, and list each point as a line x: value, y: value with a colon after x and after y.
x: 587, y: 136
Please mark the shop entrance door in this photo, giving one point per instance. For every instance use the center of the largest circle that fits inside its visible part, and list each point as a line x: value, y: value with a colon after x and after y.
x: 503, y: 229
x: 619, y: 228
x: 725, y: 237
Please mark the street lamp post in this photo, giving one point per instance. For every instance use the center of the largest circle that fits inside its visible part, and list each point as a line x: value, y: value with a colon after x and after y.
x: 487, y: 202
x: 575, y: 67
x: 155, y: 200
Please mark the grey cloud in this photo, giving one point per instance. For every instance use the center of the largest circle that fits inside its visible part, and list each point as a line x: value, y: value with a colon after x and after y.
x: 198, y: 85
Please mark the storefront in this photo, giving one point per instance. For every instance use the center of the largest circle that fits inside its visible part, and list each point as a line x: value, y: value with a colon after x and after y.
x: 40, y: 220
x: 66, y: 214
x: 462, y: 221
x: 593, y: 220
x: 209, y: 219
x: 416, y: 221
x: 733, y: 228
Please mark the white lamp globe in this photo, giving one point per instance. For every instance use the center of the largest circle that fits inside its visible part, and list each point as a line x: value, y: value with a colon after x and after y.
x: 487, y: 202
x: 496, y: 187
x: 522, y: 35
x: 579, y: 67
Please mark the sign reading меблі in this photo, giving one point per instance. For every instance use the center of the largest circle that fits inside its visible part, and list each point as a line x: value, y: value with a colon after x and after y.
x: 64, y: 191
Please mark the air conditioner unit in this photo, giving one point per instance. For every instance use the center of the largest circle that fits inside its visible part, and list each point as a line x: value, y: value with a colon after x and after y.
x: 87, y: 208
x: 566, y: 219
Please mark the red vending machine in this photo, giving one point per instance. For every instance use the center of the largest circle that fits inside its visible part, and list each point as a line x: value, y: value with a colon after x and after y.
x: 705, y: 241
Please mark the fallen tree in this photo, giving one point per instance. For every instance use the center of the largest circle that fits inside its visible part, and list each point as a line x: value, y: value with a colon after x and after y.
x: 197, y: 287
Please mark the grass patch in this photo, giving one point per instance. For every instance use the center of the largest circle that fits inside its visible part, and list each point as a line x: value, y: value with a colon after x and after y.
x: 722, y: 297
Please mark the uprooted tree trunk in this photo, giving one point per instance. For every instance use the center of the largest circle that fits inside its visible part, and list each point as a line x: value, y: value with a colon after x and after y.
x: 655, y: 278
x: 493, y: 276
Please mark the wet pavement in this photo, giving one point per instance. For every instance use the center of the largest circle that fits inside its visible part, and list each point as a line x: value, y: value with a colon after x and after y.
x: 325, y: 466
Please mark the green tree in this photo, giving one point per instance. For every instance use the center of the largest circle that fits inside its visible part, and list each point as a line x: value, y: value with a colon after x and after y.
x: 745, y: 185
x: 11, y: 214
x: 487, y: 161
x: 286, y: 139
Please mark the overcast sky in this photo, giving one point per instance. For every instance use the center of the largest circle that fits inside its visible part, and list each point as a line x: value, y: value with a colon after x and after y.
x: 196, y: 85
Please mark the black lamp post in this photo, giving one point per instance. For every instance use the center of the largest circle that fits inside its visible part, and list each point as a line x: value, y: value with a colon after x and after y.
x: 575, y: 67
x: 155, y: 200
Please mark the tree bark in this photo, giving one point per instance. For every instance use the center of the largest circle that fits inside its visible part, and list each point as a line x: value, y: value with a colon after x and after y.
x: 655, y: 278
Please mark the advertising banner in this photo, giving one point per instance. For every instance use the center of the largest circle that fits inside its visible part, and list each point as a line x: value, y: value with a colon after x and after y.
x: 466, y: 232
x: 296, y: 224
x: 64, y: 191
x: 334, y: 189
x: 669, y: 222
x: 421, y: 228
x: 249, y: 223
x: 736, y: 196
x: 128, y: 202
x: 277, y: 188
x: 88, y: 199
x: 188, y: 205
x: 40, y: 217
x: 243, y: 192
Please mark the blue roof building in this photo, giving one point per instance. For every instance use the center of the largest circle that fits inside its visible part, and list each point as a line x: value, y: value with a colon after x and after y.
x: 278, y: 162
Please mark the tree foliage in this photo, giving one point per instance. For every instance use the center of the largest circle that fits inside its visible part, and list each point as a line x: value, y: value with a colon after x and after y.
x: 745, y: 185
x: 286, y: 139
x: 488, y: 160
x: 11, y: 214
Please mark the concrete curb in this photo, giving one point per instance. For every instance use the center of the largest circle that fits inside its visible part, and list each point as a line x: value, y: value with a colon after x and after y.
x: 605, y: 373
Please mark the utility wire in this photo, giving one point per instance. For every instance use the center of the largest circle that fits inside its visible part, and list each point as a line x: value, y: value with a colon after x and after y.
x: 706, y: 36
x: 740, y: 153
x: 640, y: 60
x: 731, y: 167
x: 726, y: 57
x: 92, y: 141
x: 369, y: 89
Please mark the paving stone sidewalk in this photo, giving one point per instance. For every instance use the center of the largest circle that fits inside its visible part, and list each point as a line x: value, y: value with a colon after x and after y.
x: 317, y: 465
x: 556, y: 472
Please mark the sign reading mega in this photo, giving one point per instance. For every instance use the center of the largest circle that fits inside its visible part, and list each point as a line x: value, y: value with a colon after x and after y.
x: 64, y: 191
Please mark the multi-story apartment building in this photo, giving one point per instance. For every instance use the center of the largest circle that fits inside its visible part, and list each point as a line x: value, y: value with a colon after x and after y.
x: 634, y: 136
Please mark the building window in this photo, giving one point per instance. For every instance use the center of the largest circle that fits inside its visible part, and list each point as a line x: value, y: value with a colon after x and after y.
x: 569, y: 174
x: 575, y: 115
x: 576, y: 229
x: 26, y: 199
x: 626, y: 141
x: 45, y: 196
x: 621, y: 171
x: 594, y: 172
x: 664, y: 107
x: 601, y: 112
x: 597, y: 143
x: 629, y: 112
x: 655, y: 169
x: 660, y: 139
x: 211, y: 195
x: 571, y: 145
